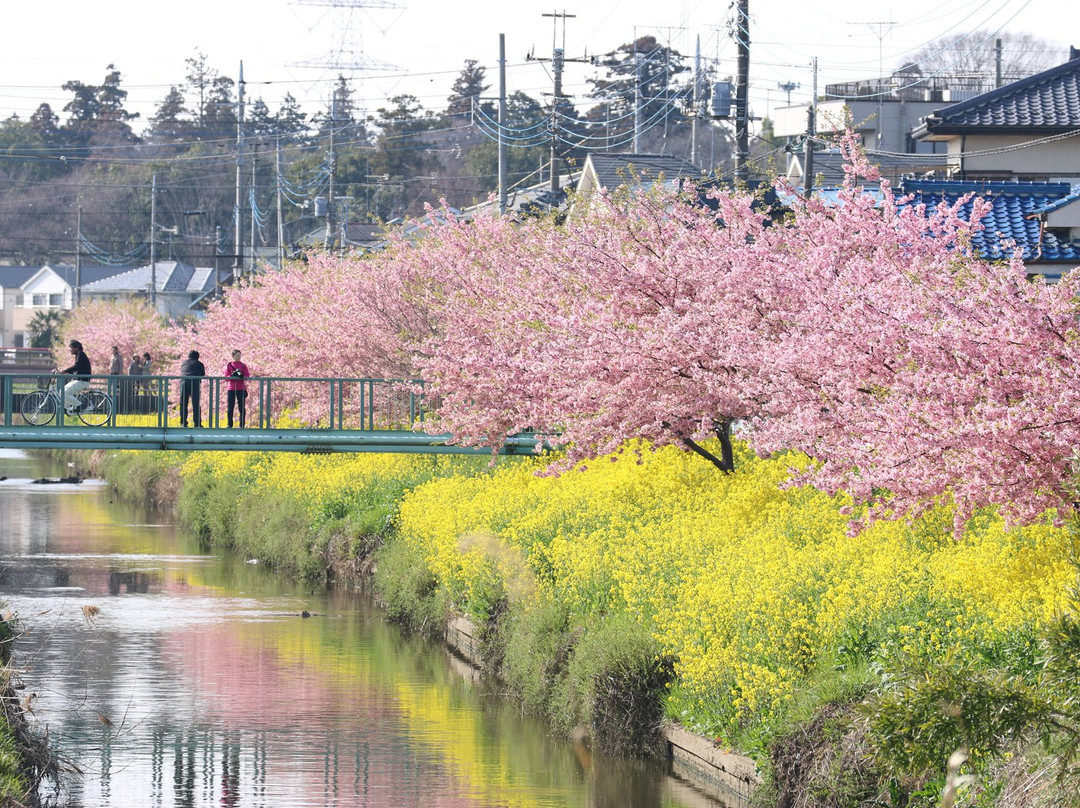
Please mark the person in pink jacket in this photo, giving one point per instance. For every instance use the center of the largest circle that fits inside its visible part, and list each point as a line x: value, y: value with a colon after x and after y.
x: 236, y: 371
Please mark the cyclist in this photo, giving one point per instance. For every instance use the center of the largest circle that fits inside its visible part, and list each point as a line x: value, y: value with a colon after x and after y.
x: 81, y: 372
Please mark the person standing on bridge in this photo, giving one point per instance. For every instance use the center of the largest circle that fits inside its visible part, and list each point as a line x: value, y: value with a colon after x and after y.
x: 236, y: 371
x: 116, y: 362
x: 131, y: 385
x: 192, y: 370
x: 81, y: 371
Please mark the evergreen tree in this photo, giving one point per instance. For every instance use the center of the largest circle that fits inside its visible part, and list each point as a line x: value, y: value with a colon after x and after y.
x: 81, y: 111
x: 400, y: 148
x: 97, y: 111
x: 342, y: 115
x: 24, y: 154
x: 171, y: 121
x: 401, y: 152
x: 200, y: 79
x: 291, y: 121
x: 45, y: 328
x: 112, y: 117
x: 219, y: 116
x: 47, y: 125
x: 468, y: 87
x: 641, y: 69
x: 259, y: 122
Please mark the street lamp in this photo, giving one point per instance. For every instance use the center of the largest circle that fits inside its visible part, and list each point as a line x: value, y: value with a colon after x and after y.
x: 787, y: 87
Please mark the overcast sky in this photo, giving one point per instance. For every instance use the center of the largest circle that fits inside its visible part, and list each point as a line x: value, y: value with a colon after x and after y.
x: 419, y: 46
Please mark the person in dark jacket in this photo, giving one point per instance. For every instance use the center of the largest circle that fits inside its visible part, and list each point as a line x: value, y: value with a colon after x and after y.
x: 131, y: 384
x: 192, y: 370
x: 81, y: 373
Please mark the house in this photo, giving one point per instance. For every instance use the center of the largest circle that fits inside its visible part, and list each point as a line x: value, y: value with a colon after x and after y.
x: 179, y: 287
x: 607, y: 170
x: 1019, y: 147
x: 1028, y: 130
x: 882, y: 112
x: 27, y: 290
x: 1042, y: 218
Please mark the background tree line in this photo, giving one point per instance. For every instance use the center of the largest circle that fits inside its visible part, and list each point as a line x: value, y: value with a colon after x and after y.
x: 385, y: 165
x: 388, y: 164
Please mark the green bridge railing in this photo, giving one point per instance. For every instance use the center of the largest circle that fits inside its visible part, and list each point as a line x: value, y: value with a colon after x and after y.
x: 305, y: 414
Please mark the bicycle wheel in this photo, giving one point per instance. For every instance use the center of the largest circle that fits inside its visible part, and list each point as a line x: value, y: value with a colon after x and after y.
x: 95, y: 408
x: 38, y: 408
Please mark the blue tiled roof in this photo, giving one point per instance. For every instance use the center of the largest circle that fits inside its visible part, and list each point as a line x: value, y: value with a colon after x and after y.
x: 1014, y: 216
x: 1046, y: 102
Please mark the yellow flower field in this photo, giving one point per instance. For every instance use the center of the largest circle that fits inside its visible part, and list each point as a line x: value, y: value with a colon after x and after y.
x: 747, y: 585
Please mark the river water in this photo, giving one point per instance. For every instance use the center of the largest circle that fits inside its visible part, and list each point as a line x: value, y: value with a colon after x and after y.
x: 167, y: 675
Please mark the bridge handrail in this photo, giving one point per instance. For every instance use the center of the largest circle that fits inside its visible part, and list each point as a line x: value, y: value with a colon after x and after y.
x: 366, y: 403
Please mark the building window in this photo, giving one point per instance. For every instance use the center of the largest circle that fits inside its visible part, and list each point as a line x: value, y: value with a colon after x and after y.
x: 20, y: 301
x: 56, y: 300
x: 41, y: 301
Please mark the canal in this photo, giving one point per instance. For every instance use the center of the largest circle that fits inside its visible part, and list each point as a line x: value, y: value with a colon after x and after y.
x: 170, y: 675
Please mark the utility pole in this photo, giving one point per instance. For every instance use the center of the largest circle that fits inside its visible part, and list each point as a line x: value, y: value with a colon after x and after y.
x: 503, y: 155
x: 558, y: 59
x: 698, y: 97
x: 280, y: 214
x: 997, y: 62
x: 254, y: 224
x: 219, y: 248
x: 78, y: 256
x: 328, y: 242
x: 787, y: 87
x: 811, y: 133
x: 884, y: 28
x: 153, y: 241
x: 638, y: 101
x: 238, y: 216
x: 742, y: 89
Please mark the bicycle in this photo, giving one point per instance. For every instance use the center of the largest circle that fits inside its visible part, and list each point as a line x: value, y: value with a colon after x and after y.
x: 40, y: 407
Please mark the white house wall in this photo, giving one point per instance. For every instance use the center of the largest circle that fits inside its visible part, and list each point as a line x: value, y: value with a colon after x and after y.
x: 48, y: 284
x: 1057, y: 159
x: 898, y: 119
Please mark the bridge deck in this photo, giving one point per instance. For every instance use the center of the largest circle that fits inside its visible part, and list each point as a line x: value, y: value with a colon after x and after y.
x: 309, y: 441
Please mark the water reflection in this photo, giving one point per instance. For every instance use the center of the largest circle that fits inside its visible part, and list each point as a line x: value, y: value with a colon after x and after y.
x: 174, y: 677
x: 131, y: 582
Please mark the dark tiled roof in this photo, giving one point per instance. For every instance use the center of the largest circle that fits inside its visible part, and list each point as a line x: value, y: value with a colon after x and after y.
x: 169, y: 276
x: 1046, y: 103
x: 613, y: 170
x: 1014, y: 216
x: 13, y: 277
x: 88, y: 273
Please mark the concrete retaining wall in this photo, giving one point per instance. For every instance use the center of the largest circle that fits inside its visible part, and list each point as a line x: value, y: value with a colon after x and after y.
x: 722, y: 775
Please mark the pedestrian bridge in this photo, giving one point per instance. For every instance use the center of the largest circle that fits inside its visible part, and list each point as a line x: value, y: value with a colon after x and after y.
x: 283, y: 414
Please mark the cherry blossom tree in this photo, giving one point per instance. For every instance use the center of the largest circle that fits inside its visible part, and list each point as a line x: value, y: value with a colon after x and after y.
x: 864, y: 333
x: 909, y: 368
x: 133, y: 325
x: 330, y: 317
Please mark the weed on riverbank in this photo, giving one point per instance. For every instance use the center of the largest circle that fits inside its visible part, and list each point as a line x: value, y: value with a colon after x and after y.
x: 25, y: 758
